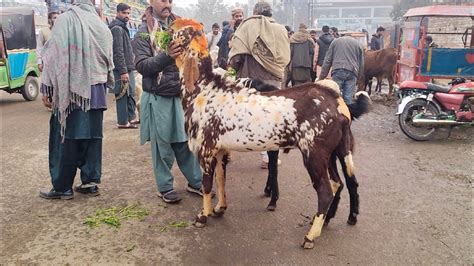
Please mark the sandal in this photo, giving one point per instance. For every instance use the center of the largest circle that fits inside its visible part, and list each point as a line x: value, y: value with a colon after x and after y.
x: 199, y: 191
x: 134, y: 121
x: 127, y: 126
x: 170, y: 196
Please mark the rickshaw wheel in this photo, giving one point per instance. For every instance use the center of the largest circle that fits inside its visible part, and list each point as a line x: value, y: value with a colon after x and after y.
x: 31, y: 88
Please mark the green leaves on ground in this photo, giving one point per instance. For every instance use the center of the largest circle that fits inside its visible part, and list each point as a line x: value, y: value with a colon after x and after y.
x: 174, y: 225
x: 115, y: 215
x: 130, y: 247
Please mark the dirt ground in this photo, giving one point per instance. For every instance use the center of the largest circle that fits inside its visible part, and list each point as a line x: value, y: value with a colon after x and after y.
x: 416, y: 203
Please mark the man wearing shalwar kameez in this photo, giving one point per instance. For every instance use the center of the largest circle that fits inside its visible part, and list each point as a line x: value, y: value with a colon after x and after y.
x: 78, y: 65
x: 161, y: 113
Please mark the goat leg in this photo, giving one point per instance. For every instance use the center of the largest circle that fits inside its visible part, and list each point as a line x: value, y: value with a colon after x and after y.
x: 318, y: 171
x: 352, y: 185
x: 222, y: 158
x: 207, y: 178
x: 336, y: 186
x: 272, y: 181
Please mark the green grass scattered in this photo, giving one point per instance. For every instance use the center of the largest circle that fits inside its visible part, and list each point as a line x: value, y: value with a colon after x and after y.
x: 174, y: 225
x: 115, y: 215
x: 131, y: 247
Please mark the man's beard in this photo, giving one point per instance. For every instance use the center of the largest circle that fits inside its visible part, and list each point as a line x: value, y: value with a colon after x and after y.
x: 237, y: 23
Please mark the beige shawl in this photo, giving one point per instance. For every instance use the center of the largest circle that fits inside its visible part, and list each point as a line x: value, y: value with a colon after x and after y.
x: 301, y: 36
x: 264, y: 39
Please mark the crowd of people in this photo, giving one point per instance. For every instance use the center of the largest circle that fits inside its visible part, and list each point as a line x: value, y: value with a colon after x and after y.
x: 81, y: 57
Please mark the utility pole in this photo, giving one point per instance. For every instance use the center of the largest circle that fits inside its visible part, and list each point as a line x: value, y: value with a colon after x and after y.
x: 310, y: 13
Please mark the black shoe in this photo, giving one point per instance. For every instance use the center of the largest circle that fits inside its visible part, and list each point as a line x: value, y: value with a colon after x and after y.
x: 170, y: 196
x: 91, y: 190
x: 53, y: 194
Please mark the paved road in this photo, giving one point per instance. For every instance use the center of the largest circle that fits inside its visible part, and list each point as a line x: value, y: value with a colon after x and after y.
x: 416, y: 203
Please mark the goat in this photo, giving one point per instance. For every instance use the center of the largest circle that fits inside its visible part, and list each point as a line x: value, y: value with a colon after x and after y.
x: 222, y: 114
x: 271, y: 188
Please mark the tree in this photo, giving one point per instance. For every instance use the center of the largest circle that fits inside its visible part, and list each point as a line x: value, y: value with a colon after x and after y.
x: 401, y: 7
x: 209, y: 12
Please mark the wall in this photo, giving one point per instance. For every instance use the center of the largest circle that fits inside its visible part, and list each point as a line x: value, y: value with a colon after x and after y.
x: 440, y: 25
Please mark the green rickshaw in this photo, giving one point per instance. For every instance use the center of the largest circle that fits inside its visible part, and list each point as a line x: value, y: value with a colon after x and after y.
x: 18, y: 60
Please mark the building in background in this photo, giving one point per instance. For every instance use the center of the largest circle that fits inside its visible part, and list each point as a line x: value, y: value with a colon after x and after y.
x: 352, y: 15
x: 346, y: 15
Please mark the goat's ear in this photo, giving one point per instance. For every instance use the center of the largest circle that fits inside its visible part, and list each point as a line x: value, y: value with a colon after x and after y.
x: 190, y: 72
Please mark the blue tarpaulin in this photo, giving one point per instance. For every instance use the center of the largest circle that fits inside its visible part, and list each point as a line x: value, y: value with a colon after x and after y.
x: 17, y: 62
x: 448, y: 62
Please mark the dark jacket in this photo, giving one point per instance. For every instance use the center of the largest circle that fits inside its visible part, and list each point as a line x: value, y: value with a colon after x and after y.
x: 123, y: 54
x: 324, y: 41
x: 160, y: 73
x: 302, y: 54
x: 376, y: 43
x: 224, y: 48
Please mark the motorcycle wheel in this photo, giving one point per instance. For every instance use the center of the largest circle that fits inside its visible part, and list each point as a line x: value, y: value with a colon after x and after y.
x: 405, y: 119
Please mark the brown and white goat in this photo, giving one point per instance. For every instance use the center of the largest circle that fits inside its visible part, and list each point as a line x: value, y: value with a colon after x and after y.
x: 223, y: 115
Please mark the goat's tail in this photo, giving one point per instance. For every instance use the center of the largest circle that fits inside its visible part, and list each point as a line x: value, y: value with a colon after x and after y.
x: 345, y: 149
x: 361, y: 105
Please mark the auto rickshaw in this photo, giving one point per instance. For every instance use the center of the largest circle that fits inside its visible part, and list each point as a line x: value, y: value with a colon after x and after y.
x: 453, y: 58
x: 18, y: 60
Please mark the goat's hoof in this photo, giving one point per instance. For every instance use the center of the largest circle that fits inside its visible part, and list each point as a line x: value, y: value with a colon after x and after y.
x: 271, y: 207
x: 267, y: 193
x: 218, y: 213
x: 307, y: 244
x: 352, y: 220
x: 200, y: 222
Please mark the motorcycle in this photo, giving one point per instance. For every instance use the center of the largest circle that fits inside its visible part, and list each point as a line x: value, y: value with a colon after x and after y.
x: 425, y: 107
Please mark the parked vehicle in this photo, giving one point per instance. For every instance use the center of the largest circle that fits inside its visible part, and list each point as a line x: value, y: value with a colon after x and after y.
x: 424, y: 107
x: 420, y: 62
x: 18, y: 61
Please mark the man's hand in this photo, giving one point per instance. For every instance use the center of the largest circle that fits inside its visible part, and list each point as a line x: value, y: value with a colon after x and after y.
x: 47, y: 102
x: 174, y: 50
x: 124, y: 77
x: 40, y: 67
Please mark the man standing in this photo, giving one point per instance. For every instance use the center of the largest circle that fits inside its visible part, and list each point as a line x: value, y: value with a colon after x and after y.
x: 314, y: 75
x: 429, y: 43
x: 346, y: 57
x: 376, y: 43
x: 323, y: 44
x: 124, y: 88
x: 77, y: 65
x: 213, y: 37
x: 227, y: 32
x: 161, y: 112
x: 44, y: 35
x: 260, y: 47
x: 261, y: 50
x: 335, y: 32
x: 302, y: 52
